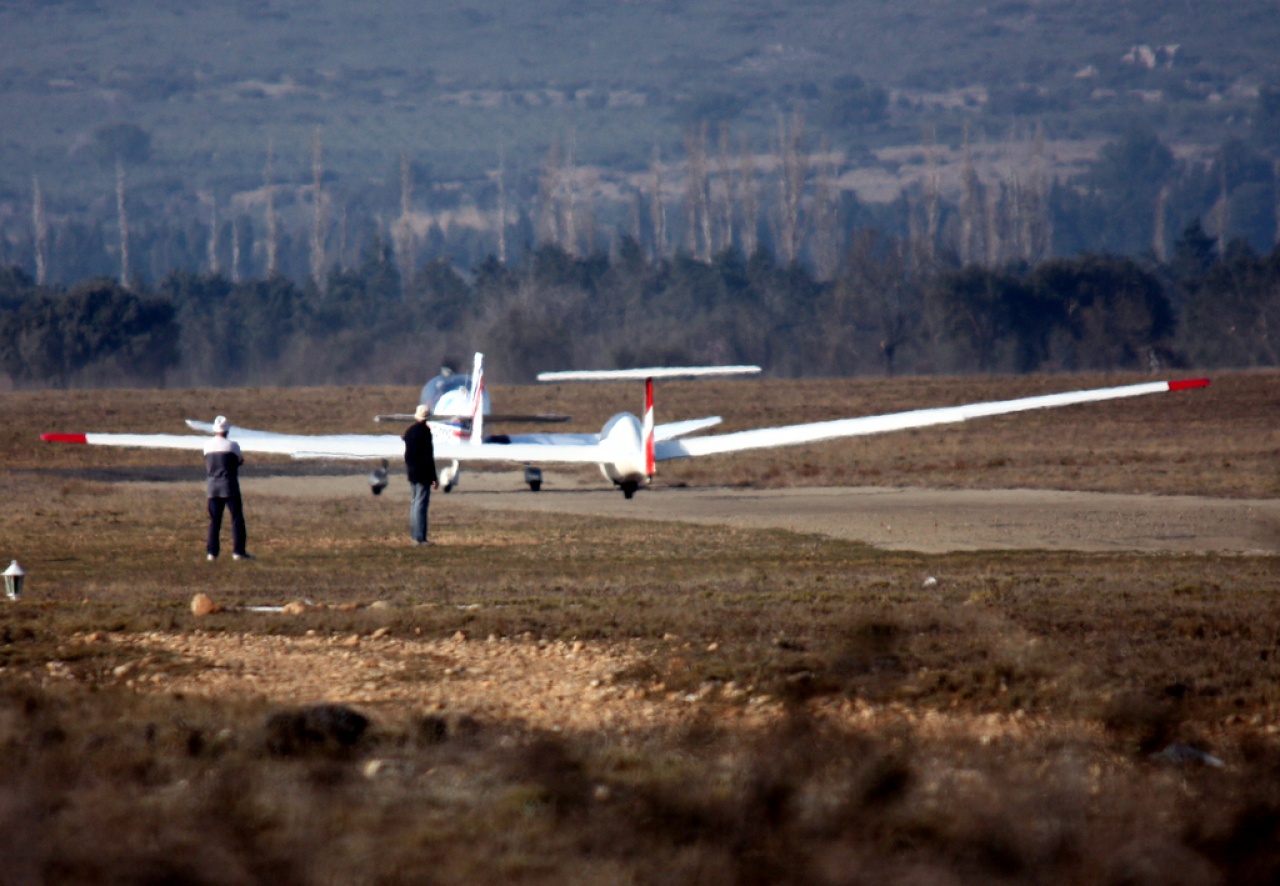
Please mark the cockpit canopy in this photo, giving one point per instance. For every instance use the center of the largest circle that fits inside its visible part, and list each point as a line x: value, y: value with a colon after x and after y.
x: 446, y: 394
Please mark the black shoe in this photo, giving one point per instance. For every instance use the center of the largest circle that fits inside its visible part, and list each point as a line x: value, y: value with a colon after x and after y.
x: 244, y: 557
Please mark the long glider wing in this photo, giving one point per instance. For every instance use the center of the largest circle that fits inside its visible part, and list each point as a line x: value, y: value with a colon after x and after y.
x: 591, y: 449
x: 569, y: 449
x: 816, y: 432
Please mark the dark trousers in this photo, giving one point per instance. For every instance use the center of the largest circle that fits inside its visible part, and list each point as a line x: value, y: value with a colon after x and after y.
x: 238, y: 534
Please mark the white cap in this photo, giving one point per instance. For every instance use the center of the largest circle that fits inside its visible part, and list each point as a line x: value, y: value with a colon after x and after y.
x: 220, y: 425
x: 15, y: 569
x: 421, y: 413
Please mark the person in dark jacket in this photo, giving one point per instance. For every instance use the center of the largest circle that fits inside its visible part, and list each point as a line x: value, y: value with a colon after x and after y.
x: 222, y: 461
x: 420, y: 461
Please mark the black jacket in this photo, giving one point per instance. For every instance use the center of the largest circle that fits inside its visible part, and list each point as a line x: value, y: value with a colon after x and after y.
x: 420, y: 454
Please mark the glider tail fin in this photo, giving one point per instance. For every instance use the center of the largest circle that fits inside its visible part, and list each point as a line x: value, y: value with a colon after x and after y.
x: 650, y: 464
x: 475, y: 405
x: 649, y: 374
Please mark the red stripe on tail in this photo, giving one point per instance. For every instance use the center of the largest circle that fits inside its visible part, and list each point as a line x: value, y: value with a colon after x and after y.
x: 64, y: 438
x: 1184, y: 384
x: 650, y: 464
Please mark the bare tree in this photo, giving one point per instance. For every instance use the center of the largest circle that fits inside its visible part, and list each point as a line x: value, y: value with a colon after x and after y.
x: 402, y: 230
x: 826, y: 216
x: 557, y: 199
x: 657, y: 208
x: 569, y: 201
x: 697, y: 194
x: 1039, y: 220
x: 725, y: 196
x: 236, y: 274
x: 971, y: 210
x: 932, y: 199
x: 994, y: 225
x: 319, y: 216
x: 208, y: 199
x: 587, y: 181
x: 1028, y: 233
x: 1221, y: 210
x: 791, y: 185
x: 342, y: 239
x: 41, y: 226
x: 1017, y: 229
x: 750, y: 199
x: 1158, y: 232
x: 637, y: 214
x: 273, y: 231
x: 502, y: 205
x: 548, y: 228
x: 124, y: 224
x: 916, y: 250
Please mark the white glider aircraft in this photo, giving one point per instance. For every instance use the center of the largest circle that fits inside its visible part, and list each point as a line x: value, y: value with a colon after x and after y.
x: 627, y: 449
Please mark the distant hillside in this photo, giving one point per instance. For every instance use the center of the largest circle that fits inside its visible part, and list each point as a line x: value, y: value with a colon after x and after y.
x: 188, y: 97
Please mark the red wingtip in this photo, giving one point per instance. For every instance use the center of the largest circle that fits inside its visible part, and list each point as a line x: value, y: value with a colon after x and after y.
x: 64, y: 438
x: 1184, y: 384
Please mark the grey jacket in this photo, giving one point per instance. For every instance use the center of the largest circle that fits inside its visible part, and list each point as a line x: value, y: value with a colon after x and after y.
x: 222, y: 459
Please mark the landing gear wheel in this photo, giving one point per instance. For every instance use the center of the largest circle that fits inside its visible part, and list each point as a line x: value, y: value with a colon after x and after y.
x: 629, y: 489
x: 533, y: 477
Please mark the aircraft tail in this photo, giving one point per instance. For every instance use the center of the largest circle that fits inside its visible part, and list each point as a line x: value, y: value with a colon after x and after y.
x: 650, y: 465
x: 475, y: 405
x: 647, y: 429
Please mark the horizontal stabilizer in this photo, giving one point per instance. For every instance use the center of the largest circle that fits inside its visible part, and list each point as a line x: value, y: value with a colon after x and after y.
x: 541, y: 418
x: 642, y: 374
x: 674, y: 429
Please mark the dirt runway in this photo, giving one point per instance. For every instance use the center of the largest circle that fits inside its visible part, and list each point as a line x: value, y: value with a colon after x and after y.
x: 916, y: 519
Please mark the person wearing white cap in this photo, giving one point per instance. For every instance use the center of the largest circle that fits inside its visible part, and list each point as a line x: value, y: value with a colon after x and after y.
x: 222, y: 460
x: 420, y: 463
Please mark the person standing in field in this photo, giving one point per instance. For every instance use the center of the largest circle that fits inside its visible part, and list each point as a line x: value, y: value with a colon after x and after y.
x: 222, y: 461
x: 420, y: 461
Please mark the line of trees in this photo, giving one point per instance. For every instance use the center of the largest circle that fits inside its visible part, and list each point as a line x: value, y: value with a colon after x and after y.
x: 976, y: 204
x: 886, y: 309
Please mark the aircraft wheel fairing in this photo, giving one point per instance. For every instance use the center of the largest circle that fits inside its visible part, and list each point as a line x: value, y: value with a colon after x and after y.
x: 533, y: 476
x: 378, y: 479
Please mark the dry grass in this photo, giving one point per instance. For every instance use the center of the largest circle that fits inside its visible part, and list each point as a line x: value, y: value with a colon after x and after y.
x: 998, y: 727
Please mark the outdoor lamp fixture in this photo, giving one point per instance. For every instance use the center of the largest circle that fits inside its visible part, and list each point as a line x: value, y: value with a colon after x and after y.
x: 13, y: 578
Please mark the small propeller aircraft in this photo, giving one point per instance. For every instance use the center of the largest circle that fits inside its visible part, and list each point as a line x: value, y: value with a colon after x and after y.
x: 627, y: 449
x: 453, y: 400
x: 459, y: 406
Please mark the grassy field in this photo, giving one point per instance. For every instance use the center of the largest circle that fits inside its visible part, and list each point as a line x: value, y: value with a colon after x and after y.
x: 752, y: 706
